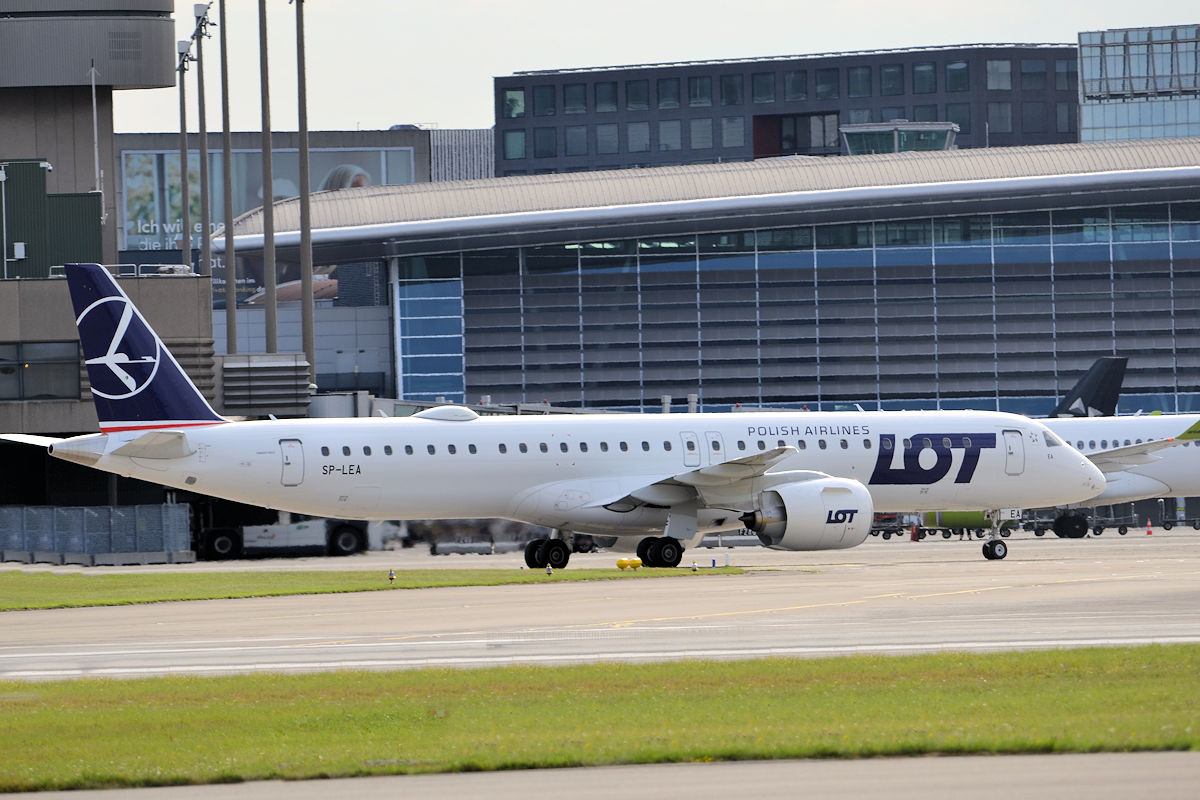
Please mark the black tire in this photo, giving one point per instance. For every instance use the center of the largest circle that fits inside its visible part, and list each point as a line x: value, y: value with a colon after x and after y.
x: 1196, y: 526
x: 1039, y: 531
x: 1006, y: 533
x: 1122, y: 529
x: 653, y: 549
x: 346, y: 540
x: 556, y: 553
x: 643, y: 551
x: 887, y: 535
x: 946, y: 534
x: 999, y: 549
x: 221, y: 545
x: 531, y: 554
x: 987, y: 550
x: 1167, y: 525
x: 670, y: 552
x: 1099, y: 529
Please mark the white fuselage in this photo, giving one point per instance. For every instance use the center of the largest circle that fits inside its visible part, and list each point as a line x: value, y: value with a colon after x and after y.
x: 1171, y: 471
x: 563, y: 470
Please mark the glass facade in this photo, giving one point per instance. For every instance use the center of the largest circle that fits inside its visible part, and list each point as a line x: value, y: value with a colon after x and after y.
x: 1141, y: 83
x: 992, y: 311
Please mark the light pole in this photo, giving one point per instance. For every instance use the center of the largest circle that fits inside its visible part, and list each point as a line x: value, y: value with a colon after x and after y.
x: 307, y: 327
x: 268, y: 187
x: 200, y: 34
x: 4, y: 215
x: 185, y: 245
x: 231, y: 343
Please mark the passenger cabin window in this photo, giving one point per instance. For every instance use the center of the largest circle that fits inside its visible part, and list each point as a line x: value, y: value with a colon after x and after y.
x: 624, y: 447
x: 907, y: 444
x: 946, y: 442
x: 741, y: 445
x: 762, y: 445
x: 866, y: 444
x: 345, y: 451
x: 604, y: 447
x: 387, y: 449
x: 324, y: 451
x: 524, y: 448
x: 472, y: 449
x: 451, y: 449
x: 966, y: 441
x: 803, y: 445
x: 926, y: 443
x: 886, y: 444
x: 846, y: 445
x: 1092, y: 445
x: 543, y: 447
x: 691, y: 446
x: 562, y: 446
x: 408, y: 449
x: 646, y: 446
x: 430, y: 449
x: 583, y: 447
x: 366, y: 450
x: 821, y: 443
x: 503, y: 448
x: 716, y: 446
x: 781, y: 443
x: 667, y: 446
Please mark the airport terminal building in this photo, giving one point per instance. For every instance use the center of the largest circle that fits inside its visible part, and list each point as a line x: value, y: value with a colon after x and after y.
x: 981, y: 278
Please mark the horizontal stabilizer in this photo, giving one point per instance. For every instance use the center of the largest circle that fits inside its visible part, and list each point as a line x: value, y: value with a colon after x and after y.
x: 26, y: 438
x: 157, y: 444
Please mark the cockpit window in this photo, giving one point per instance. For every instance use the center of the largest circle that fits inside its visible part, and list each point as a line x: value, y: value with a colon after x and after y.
x: 1052, y: 440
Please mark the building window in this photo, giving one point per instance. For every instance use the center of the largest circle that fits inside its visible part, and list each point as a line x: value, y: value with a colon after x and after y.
x: 514, y: 104
x: 733, y: 132
x: 670, y: 134
x: 605, y: 96
x: 1000, y: 117
x: 1033, y: 117
x: 637, y: 95
x: 700, y: 135
x: 543, y: 101
x: 1066, y: 75
x: 999, y: 74
x: 925, y: 113
x: 637, y: 137
x: 575, y: 98
x: 545, y: 142
x: 40, y: 370
x: 795, y: 85
x: 575, y: 140
x: 1033, y: 73
x: 668, y: 92
x: 957, y: 78
x: 827, y: 84
x: 606, y: 139
x: 889, y: 113
x: 924, y: 78
x: 1065, y: 117
x: 891, y: 79
x: 859, y: 116
x: 700, y: 91
x: 858, y: 81
x: 731, y: 90
x: 960, y: 115
x: 762, y: 87
x: 514, y: 145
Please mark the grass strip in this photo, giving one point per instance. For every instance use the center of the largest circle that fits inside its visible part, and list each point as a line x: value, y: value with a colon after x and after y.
x: 122, y: 733
x: 32, y: 590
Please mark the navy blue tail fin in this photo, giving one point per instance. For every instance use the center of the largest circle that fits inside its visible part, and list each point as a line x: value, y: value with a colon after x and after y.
x: 1097, y: 392
x: 136, y: 383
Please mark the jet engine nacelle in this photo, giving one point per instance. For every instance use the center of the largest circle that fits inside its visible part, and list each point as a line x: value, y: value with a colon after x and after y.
x: 818, y: 514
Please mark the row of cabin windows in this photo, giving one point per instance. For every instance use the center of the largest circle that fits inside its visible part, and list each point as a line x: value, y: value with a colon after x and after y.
x: 667, y: 446
x: 1104, y: 443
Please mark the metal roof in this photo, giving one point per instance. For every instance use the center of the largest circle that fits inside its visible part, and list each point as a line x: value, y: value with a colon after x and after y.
x: 790, y: 190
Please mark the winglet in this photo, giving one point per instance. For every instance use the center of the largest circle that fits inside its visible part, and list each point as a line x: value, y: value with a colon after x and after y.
x: 1191, y: 433
x: 136, y: 383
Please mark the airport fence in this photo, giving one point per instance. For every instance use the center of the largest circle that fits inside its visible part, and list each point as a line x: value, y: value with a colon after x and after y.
x: 78, y: 534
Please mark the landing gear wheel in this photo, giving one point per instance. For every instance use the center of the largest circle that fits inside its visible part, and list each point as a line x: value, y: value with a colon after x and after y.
x: 994, y: 549
x: 653, y: 553
x: 556, y: 553
x: 1071, y: 526
x: 533, y: 553
x: 669, y: 552
x: 643, y: 550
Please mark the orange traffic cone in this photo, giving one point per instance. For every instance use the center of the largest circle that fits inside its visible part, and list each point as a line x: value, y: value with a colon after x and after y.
x: 1149, y: 530
x: 913, y: 533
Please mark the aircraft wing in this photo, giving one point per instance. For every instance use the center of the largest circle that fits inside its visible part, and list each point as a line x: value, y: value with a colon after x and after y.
x: 1119, y: 459
x: 715, y: 478
x: 26, y: 438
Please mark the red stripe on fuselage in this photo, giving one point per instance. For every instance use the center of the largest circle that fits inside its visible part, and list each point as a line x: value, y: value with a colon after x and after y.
x: 159, y: 426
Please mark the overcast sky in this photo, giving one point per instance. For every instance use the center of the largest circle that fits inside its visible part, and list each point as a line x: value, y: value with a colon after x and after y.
x: 376, y: 63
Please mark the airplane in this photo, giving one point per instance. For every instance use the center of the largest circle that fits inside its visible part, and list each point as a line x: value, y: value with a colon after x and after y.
x: 659, y: 483
x: 1096, y: 393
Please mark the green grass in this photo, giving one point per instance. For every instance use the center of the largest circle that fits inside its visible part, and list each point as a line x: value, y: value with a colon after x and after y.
x: 110, y: 733
x: 29, y: 590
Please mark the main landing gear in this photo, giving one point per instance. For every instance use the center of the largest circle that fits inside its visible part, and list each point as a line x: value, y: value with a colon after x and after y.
x: 660, y: 551
x: 542, y: 553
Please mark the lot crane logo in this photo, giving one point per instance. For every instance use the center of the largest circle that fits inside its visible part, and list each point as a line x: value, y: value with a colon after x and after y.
x: 132, y: 353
